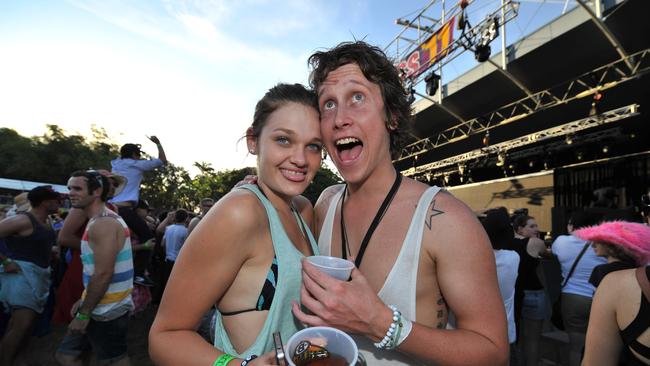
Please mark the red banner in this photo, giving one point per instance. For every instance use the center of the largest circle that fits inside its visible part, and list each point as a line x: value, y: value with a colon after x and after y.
x: 429, y: 52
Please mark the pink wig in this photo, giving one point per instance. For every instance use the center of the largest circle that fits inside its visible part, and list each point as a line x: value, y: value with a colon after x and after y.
x: 632, y: 237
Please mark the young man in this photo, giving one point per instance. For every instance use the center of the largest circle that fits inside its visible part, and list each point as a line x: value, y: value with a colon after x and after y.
x: 424, y: 251
x: 101, y: 315
x: 132, y: 166
x: 25, y: 275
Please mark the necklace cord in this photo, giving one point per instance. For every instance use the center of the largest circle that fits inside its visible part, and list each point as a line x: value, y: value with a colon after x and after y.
x: 345, y: 247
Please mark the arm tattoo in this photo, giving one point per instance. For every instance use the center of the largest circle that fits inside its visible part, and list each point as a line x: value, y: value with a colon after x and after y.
x: 434, y: 212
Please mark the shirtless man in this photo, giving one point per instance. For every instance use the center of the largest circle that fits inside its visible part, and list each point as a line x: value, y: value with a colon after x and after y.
x: 428, y: 254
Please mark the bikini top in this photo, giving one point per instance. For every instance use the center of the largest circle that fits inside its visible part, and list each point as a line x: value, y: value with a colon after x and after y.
x: 265, y: 299
x: 641, y: 322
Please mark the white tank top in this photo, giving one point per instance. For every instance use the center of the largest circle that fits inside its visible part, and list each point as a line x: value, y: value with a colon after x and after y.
x: 400, y: 286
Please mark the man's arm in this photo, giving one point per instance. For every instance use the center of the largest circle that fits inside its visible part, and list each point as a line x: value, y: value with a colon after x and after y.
x: 160, y: 230
x: 68, y: 236
x: 161, y: 151
x: 106, y: 238
x: 15, y: 225
x: 195, y: 221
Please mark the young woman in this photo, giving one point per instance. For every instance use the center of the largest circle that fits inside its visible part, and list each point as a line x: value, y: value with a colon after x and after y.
x: 244, y: 256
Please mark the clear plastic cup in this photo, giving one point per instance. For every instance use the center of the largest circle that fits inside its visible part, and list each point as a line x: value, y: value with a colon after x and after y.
x: 337, y: 342
x: 336, y: 267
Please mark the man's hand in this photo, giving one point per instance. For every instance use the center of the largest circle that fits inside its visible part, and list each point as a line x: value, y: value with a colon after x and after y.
x: 154, y: 139
x: 249, y: 179
x: 12, y: 267
x: 78, y: 326
x: 351, y: 306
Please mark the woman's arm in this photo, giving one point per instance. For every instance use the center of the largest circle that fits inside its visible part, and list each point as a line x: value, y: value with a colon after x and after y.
x: 206, y: 267
x: 603, y: 343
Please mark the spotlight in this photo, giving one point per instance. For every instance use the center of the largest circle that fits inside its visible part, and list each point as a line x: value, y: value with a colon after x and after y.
x: 501, y: 158
x: 568, y: 139
x: 594, y: 110
x: 432, y: 80
x: 486, y: 139
x: 482, y: 53
x: 579, y: 155
x: 446, y: 179
x: 531, y: 164
x: 461, y: 169
x: 605, y: 149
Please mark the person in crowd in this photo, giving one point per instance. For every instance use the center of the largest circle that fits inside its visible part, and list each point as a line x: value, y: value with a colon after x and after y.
x: 102, y: 313
x: 21, y: 204
x: 530, y: 301
x: 577, y: 292
x: 131, y: 165
x: 25, y: 275
x: 418, y: 249
x: 173, y: 241
x: 69, y: 238
x: 497, y: 225
x: 244, y: 255
x: 613, y: 241
x: 205, y: 206
x: 619, y: 330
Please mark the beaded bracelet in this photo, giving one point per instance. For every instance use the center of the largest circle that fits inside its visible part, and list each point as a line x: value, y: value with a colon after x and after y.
x: 223, y: 360
x: 248, y: 359
x: 390, y: 339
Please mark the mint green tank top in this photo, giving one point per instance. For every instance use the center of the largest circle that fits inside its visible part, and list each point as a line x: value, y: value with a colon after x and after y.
x: 279, y: 318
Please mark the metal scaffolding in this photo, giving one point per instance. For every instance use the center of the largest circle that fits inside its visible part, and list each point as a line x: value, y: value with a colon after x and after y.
x: 600, y: 79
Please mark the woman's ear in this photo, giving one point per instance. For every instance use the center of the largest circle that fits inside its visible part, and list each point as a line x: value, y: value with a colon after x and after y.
x: 251, y: 141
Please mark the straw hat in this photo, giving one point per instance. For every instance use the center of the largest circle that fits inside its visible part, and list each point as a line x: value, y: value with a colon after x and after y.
x: 21, y: 203
x: 119, y: 181
x: 632, y: 237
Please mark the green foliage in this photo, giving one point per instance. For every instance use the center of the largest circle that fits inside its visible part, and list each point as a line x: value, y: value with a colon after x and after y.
x: 52, y: 157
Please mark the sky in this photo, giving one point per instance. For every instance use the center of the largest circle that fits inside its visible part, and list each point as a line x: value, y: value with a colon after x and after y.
x: 189, y: 72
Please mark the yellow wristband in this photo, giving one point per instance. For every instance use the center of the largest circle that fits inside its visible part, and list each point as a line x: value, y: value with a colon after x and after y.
x: 223, y: 360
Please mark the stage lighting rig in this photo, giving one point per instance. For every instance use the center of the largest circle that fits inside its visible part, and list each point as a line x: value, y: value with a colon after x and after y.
x: 432, y: 81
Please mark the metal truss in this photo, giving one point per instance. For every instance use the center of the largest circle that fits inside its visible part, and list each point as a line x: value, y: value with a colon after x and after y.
x: 600, y: 79
x: 468, y: 39
x: 557, y: 131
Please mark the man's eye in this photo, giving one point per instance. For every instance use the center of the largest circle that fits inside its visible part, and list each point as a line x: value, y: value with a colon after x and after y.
x: 328, y: 105
x: 357, y: 97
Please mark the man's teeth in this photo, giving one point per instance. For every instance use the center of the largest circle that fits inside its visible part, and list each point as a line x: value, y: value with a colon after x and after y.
x: 347, y: 140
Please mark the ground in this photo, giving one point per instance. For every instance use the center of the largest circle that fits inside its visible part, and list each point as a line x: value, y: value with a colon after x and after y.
x: 40, y: 351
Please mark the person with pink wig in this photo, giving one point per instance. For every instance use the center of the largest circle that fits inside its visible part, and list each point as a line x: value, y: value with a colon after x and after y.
x: 624, y: 244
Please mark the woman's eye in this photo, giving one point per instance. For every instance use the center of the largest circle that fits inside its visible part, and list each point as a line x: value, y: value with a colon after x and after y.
x: 328, y: 105
x: 357, y: 97
x: 282, y: 140
x: 315, y: 147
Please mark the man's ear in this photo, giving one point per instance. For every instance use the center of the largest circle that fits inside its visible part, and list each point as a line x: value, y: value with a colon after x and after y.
x: 391, y: 123
x: 251, y: 141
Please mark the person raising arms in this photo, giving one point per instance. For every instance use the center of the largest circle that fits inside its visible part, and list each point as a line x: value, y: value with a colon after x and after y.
x: 244, y: 255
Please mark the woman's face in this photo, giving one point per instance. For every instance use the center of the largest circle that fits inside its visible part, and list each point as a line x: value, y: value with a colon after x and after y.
x: 600, y: 249
x: 288, y: 150
x: 530, y: 230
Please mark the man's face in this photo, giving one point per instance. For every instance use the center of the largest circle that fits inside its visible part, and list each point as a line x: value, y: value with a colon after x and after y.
x: 79, y: 195
x: 205, y: 206
x: 353, y: 123
x: 51, y: 206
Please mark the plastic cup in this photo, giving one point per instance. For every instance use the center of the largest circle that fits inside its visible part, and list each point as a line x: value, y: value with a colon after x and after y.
x: 336, y: 267
x: 338, y: 342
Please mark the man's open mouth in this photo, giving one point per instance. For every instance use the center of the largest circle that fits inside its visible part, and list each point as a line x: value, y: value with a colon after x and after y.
x: 349, y: 148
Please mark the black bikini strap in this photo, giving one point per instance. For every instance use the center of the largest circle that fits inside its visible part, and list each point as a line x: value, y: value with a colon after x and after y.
x: 223, y: 313
x: 375, y: 222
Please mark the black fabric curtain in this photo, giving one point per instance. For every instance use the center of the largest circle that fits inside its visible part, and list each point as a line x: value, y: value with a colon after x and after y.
x: 614, y: 184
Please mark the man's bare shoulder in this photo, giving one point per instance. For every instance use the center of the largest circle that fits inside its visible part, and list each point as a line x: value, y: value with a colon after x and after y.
x: 14, y: 225
x: 326, y: 196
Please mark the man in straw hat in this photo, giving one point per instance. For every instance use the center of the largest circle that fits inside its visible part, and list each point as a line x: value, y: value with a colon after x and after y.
x: 25, y: 276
